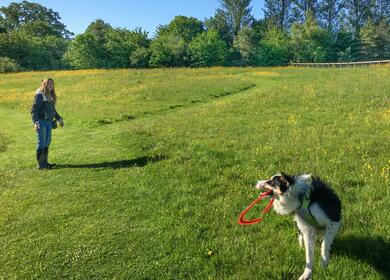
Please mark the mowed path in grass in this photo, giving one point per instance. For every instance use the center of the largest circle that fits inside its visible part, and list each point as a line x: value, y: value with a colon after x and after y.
x: 156, y: 165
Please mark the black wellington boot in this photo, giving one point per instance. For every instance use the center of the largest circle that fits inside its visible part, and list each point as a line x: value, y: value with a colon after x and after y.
x: 46, y: 154
x: 41, y: 159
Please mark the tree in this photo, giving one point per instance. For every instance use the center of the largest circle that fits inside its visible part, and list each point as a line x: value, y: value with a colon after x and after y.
x: 382, y: 40
x: 99, y: 30
x: 33, y: 36
x: 33, y: 18
x: 140, y: 57
x: 329, y: 14
x: 48, y: 52
x: 120, y: 45
x: 380, y: 11
x: 221, y: 23
x: 372, y: 42
x: 208, y: 49
x: 167, y: 51
x: 238, y: 13
x: 279, y: 12
x: 261, y: 27
x: 85, y: 52
x: 301, y: 8
x: 367, y: 36
x: 274, y: 49
x: 170, y: 46
x: 186, y: 28
x: 102, y: 46
x: 88, y: 50
x: 356, y: 13
x: 343, y: 45
x: 32, y: 52
x: 309, y: 41
x: 246, y: 43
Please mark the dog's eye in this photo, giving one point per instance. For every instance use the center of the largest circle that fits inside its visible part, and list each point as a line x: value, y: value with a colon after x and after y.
x: 276, y: 180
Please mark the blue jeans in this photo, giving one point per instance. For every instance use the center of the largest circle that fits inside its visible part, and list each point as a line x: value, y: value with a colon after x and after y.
x: 44, y: 134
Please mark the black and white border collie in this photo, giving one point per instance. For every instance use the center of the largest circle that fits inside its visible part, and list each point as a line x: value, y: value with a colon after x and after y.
x: 315, y: 206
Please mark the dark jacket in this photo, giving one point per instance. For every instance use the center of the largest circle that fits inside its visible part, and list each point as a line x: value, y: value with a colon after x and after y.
x: 43, y: 109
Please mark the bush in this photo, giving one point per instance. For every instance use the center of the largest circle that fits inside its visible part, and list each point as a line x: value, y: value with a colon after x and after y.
x: 208, y: 49
x: 274, y: 49
x: 31, y: 52
x: 8, y: 65
x: 167, y: 51
x: 140, y: 58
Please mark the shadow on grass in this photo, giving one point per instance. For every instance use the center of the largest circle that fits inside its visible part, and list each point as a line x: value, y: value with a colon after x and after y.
x: 137, y: 162
x: 375, y: 251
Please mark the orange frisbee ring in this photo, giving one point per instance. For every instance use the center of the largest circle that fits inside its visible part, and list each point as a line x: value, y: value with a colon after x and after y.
x: 241, y: 218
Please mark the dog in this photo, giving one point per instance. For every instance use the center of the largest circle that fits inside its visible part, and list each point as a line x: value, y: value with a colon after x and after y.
x: 315, y: 206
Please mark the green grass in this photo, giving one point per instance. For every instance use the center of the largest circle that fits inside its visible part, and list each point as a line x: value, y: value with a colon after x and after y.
x: 156, y: 165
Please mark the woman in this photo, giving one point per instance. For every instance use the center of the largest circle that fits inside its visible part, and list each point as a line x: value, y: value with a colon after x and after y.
x: 43, y: 114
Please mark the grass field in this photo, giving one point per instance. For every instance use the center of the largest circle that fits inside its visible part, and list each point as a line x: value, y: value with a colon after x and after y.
x: 156, y: 165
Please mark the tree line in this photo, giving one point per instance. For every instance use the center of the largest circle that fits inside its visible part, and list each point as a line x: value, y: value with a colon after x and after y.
x: 32, y: 37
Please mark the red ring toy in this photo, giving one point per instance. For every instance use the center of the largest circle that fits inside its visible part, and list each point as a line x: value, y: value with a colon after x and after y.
x: 241, y: 219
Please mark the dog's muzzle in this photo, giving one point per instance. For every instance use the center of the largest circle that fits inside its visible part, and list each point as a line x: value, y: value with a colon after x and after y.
x: 261, y: 184
x: 264, y: 185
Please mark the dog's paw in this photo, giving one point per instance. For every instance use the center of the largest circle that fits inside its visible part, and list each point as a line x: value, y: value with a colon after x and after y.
x: 306, y: 274
x: 324, y: 262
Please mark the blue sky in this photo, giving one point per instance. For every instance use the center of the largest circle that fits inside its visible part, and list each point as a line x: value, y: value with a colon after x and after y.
x: 147, y: 14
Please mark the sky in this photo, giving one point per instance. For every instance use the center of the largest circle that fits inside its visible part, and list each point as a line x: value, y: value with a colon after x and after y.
x: 147, y: 14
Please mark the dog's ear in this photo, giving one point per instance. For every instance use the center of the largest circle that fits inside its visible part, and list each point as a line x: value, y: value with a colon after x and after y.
x: 287, y: 179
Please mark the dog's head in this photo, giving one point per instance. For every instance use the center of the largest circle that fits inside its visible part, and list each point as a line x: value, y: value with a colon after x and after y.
x: 279, y: 183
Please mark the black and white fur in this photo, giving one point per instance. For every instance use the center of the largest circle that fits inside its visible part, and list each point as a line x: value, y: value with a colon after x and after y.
x: 324, y: 206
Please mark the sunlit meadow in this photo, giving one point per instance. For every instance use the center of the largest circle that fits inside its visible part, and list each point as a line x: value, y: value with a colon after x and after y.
x: 154, y: 167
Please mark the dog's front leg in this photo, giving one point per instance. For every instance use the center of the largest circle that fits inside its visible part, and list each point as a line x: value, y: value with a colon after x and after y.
x: 300, y: 238
x: 309, y: 236
x: 329, y: 236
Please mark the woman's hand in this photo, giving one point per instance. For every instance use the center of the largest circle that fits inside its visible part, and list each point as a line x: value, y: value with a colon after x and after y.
x: 37, y: 126
x: 61, y: 121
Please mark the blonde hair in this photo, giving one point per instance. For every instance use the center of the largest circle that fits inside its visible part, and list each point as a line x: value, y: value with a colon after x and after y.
x: 50, y: 95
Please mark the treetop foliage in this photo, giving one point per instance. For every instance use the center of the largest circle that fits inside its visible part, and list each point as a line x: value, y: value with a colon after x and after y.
x: 33, y: 37
x: 33, y: 18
